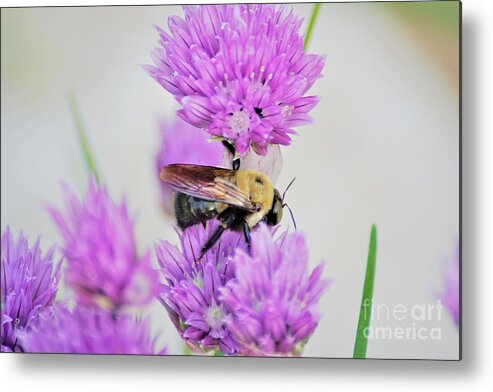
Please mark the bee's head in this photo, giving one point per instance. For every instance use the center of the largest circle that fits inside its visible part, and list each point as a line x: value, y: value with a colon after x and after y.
x: 274, y: 215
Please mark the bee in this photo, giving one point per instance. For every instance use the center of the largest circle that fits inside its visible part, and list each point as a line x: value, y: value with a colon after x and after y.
x: 238, y: 198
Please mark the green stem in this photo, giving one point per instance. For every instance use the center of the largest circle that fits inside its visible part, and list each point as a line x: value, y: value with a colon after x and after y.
x: 186, y: 350
x: 311, y: 24
x: 83, y: 139
x: 367, y: 298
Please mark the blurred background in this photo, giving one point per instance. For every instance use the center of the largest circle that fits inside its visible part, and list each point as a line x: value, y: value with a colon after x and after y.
x: 384, y: 147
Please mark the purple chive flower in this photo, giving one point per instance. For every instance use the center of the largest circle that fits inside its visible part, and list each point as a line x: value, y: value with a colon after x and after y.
x: 99, y: 244
x: 191, y: 292
x: 182, y: 143
x: 89, y: 331
x: 272, y: 300
x: 29, y: 283
x: 239, y: 72
x: 450, y: 294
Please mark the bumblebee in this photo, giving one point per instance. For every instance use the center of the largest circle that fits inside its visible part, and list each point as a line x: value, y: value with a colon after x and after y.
x: 238, y: 198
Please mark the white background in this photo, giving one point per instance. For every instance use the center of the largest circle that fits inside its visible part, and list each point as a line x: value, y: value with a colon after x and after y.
x: 81, y: 373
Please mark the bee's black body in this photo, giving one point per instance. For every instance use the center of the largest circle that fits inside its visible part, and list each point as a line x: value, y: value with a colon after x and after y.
x: 190, y: 210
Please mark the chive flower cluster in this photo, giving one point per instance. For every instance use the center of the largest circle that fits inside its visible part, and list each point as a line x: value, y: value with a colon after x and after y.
x: 101, y: 267
x: 239, y: 72
x: 29, y: 281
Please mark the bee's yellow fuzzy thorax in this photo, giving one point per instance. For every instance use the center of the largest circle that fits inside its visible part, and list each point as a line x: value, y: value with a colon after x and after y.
x: 259, y: 188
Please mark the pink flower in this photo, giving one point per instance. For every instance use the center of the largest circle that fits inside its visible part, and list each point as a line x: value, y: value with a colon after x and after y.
x: 89, y: 331
x: 239, y: 72
x: 191, y: 292
x: 29, y: 281
x: 272, y: 301
x: 103, y: 266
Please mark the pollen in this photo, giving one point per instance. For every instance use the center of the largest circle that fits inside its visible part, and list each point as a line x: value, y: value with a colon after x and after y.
x: 287, y: 111
x: 239, y: 121
x: 214, y: 317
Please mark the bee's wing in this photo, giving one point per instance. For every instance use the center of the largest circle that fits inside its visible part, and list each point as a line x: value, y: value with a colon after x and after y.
x: 206, y: 182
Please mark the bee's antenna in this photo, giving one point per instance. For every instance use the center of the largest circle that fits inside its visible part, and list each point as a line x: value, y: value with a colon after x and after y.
x: 290, y: 213
x: 286, y: 204
x: 289, y: 185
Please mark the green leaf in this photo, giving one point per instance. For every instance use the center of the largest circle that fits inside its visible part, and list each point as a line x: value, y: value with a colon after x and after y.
x: 83, y: 139
x: 366, y: 300
x: 311, y: 24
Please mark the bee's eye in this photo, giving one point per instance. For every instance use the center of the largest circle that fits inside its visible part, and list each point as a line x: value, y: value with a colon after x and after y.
x: 279, y: 213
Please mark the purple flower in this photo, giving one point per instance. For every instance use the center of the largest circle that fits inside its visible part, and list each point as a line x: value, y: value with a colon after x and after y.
x: 450, y: 294
x: 99, y: 244
x: 191, y: 292
x: 182, y: 143
x: 272, y: 300
x: 238, y: 71
x: 29, y: 283
x: 89, y: 331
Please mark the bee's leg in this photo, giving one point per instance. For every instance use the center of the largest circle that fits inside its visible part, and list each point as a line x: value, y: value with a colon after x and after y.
x: 236, y: 163
x: 227, y: 144
x: 227, y: 219
x: 232, y: 150
x: 248, y: 239
x: 212, y: 240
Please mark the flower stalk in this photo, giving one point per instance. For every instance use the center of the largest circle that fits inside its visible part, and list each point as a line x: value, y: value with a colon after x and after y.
x: 83, y: 138
x: 311, y: 25
x: 361, y: 342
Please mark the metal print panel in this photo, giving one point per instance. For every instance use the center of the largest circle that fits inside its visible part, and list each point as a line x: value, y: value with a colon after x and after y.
x: 275, y: 180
